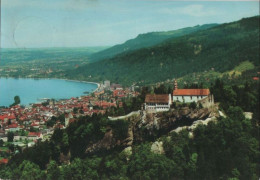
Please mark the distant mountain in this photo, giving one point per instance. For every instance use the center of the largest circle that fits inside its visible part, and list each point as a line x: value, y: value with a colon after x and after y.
x: 146, y: 40
x: 220, y: 48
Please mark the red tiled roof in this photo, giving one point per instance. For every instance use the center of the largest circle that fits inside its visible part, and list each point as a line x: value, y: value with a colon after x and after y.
x: 2, y: 117
x: 34, y: 124
x: 157, y: 98
x: 191, y: 92
x: 13, y: 126
x: 72, y: 120
x: 12, y: 116
x: 3, y: 161
x: 34, y: 134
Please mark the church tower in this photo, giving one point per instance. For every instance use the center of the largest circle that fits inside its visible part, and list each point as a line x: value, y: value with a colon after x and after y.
x: 175, y: 85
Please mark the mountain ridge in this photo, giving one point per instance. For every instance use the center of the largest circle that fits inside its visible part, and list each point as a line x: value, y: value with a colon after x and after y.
x: 221, y: 48
x: 146, y: 40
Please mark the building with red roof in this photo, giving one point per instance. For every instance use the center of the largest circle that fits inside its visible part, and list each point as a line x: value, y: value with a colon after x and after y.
x: 118, y: 93
x: 3, y: 161
x: 190, y: 95
x: 202, y: 96
x: 4, y: 118
x: 34, y: 135
x: 157, y: 102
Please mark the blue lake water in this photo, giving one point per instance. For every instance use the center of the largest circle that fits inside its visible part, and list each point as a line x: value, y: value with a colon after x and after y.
x: 31, y: 90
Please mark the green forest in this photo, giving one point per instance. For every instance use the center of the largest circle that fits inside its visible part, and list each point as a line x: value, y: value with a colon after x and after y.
x: 220, y: 48
x: 144, y: 41
x: 226, y: 149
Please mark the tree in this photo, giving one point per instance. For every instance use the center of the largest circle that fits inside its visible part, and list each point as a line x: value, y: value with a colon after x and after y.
x: 193, y: 105
x: 30, y: 171
x: 53, y: 171
x: 16, y: 100
x: 146, y: 165
x: 1, y: 142
x: 10, y: 136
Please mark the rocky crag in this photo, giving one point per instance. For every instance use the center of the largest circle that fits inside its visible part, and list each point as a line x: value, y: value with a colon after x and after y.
x: 149, y: 127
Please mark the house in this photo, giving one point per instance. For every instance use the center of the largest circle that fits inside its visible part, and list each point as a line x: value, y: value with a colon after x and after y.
x: 116, y: 87
x: 90, y: 106
x: 97, y: 93
x: 202, y: 96
x: 3, y: 161
x: 4, y: 137
x: 34, y: 135
x: 157, y: 102
x: 13, y: 128
x: 4, y: 118
x: 118, y: 93
x: 35, y: 125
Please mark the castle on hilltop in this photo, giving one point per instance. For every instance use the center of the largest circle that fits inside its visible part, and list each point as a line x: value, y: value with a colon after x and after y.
x: 162, y: 102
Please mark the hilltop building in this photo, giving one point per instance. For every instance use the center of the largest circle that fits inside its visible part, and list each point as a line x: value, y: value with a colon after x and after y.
x: 202, y: 96
x: 157, y: 103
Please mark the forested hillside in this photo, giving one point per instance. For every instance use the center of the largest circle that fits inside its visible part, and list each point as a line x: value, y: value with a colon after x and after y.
x: 220, y: 48
x: 146, y: 40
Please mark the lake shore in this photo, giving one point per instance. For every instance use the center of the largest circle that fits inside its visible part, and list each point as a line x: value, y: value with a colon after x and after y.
x: 36, y: 101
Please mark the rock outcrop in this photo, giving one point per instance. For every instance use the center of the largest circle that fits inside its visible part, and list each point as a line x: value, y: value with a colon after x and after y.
x: 107, y: 143
x: 145, y: 126
x: 157, y: 147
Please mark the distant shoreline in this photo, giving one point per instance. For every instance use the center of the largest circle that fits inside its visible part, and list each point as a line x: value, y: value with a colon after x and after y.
x: 98, y: 84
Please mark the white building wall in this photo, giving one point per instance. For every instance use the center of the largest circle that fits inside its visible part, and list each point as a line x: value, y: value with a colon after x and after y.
x: 157, y: 107
x: 187, y: 99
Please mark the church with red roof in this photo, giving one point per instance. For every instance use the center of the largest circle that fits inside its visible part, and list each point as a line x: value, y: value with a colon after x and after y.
x: 191, y: 95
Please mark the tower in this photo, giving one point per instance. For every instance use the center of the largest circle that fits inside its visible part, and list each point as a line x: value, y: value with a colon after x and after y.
x: 175, y: 85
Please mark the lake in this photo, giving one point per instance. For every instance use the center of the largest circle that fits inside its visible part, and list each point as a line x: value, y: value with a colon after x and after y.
x: 32, y: 90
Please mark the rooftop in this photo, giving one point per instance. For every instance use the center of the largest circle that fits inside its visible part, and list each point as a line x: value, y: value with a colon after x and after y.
x: 157, y: 98
x: 191, y: 92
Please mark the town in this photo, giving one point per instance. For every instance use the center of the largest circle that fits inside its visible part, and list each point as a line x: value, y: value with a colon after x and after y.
x: 23, y: 126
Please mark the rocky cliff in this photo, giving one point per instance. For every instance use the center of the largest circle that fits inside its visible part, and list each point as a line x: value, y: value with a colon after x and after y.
x: 149, y: 127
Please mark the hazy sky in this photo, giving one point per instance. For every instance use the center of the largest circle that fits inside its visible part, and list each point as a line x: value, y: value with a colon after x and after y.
x: 77, y: 23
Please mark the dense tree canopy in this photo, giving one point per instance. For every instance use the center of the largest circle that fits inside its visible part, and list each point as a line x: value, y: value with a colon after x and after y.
x: 220, y: 48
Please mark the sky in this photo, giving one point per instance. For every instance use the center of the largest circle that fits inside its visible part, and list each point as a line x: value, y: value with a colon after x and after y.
x: 85, y: 23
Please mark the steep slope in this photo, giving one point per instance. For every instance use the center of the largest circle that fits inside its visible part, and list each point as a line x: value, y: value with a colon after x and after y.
x: 146, y: 40
x: 222, y: 47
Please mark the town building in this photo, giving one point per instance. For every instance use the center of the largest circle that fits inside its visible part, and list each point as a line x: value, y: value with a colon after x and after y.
x: 157, y: 102
x: 116, y: 87
x: 106, y: 84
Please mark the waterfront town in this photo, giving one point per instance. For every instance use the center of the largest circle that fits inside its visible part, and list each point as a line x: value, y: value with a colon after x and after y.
x: 22, y: 126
